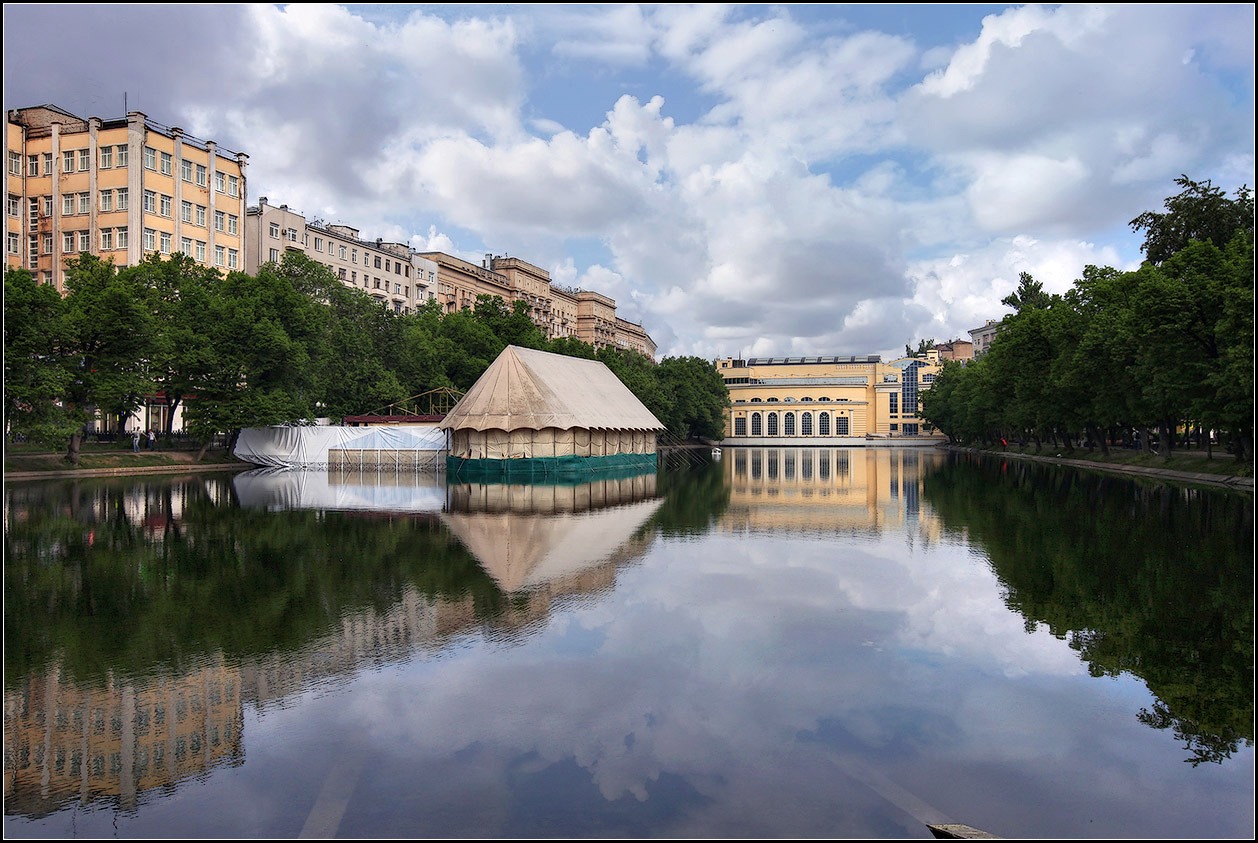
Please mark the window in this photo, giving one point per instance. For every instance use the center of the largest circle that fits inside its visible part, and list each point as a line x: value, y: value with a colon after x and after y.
x: 67, y: 204
x: 47, y: 245
x: 166, y: 242
x: 233, y: 224
x: 232, y: 258
x: 121, y: 195
x: 377, y: 261
x: 292, y: 235
x: 85, y: 241
x: 32, y: 252
x: 15, y: 169
x: 150, y: 240
x: 122, y: 155
x: 122, y: 238
x: 106, y: 200
x: 233, y: 186
x: 928, y: 378
x: 201, y: 251
x: 165, y: 205
x: 353, y: 256
x: 201, y: 175
x: 106, y: 240
x: 85, y: 160
x: 185, y: 245
x: 32, y: 220
x: 275, y: 256
x: 220, y: 182
x: 318, y: 244
x: 85, y: 203
x: 150, y: 158
x: 150, y: 202
x: 342, y: 252
x: 895, y: 403
x: 15, y: 205
x: 201, y: 213
x: 32, y: 165
x: 755, y: 424
x: 788, y: 424
x: 12, y: 246
x: 185, y: 170
x: 397, y: 289
x: 47, y: 159
x: 185, y: 211
x: 740, y: 426
x: 220, y: 255
x: 275, y: 231
x: 220, y: 221
x: 67, y: 161
x: 67, y: 242
x: 48, y: 206
x: 841, y: 426
x: 805, y: 424
x: 823, y: 424
x: 167, y: 164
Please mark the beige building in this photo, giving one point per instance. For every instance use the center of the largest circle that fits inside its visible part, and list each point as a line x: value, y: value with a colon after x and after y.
x: 118, y: 189
x: 558, y: 311
x: 960, y: 350
x: 982, y: 337
x: 394, y: 274
x: 825, y: 400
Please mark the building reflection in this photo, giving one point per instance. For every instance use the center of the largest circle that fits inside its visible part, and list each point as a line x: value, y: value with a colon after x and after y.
x: 857, y: 490
x: 67, y: 742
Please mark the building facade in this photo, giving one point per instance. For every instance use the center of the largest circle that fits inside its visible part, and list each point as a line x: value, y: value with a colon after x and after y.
x: 393, y: 274
x: 982, y: 337
x: 117, y: 189
x: 825, y: 400
x: 558, y: 311
x: 959, y: 350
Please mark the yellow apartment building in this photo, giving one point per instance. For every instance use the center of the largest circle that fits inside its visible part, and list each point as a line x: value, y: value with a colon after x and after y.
x: 558, y: 311
x: 118, y: 189
x: 849, y: 401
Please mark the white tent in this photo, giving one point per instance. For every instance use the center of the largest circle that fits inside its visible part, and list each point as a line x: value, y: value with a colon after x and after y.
x: 403, y: 447
x: 536, y: 405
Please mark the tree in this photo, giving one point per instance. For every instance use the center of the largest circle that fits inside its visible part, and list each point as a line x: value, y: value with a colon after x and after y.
x: 923, y: 346
x: 1200, y: 211
x: 699, y: 397
x: 36, y: 373
x: 1029, y: 294
x: 110, y: 342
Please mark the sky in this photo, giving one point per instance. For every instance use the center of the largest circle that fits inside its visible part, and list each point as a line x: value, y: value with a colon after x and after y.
x: 744, y: 180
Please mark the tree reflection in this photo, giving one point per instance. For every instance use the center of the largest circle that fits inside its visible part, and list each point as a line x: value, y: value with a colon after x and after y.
x: 1105, y: 563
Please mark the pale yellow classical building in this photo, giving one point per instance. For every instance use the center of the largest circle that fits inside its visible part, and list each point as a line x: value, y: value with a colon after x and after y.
x: 118, y: 189
x: 826, y: 400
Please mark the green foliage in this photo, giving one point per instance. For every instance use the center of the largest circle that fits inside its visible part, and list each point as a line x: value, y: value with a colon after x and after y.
x: 36, y: 374
x: 1199, y: 212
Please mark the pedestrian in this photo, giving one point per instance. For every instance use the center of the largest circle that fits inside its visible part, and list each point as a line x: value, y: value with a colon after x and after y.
x: 152, y: 440
x: 135, y: 441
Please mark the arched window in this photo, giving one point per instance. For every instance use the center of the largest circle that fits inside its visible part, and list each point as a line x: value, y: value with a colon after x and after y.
x: 806, y: 399
x: 771, y: 401
x: 788, y: 425
x: 823, y: 424
x: 755, y: 401
x: 805, y: 424
x: 755, y: 424
x: 773, y: 424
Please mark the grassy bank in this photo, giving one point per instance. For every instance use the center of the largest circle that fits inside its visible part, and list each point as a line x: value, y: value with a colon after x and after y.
x: 23, y: 458
x: 1189, y: 461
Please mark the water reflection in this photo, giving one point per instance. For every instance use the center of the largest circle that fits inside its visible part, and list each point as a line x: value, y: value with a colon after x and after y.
x: 793, y: 625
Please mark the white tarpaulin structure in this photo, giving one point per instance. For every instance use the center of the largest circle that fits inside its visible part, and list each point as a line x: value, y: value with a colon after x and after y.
x: 534, y: 404
x: 403, y: 447
x: 334, y: 491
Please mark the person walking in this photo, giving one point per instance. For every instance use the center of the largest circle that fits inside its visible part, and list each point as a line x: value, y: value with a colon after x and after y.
x: 152, y: 440
x: 135, y: 441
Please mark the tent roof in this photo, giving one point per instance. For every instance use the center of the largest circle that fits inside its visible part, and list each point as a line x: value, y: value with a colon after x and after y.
x: 533, y: 390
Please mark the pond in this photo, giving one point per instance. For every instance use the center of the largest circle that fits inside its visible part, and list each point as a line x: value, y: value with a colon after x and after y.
x: 776, y: 643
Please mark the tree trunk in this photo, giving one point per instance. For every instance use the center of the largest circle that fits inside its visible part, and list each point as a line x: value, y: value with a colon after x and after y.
x: 172, y: 402
x: 1095, y: 435
x: 1164, y: 440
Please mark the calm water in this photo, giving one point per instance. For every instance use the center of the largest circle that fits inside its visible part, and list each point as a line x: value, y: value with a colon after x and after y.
x: 785, y: 643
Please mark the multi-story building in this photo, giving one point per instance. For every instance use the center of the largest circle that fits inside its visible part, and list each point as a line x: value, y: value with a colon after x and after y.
x: 982, y: 337
x: 824, y: 400
x: 558, y: 311
x: 393, y: 273
x: 960, y: 350
x: 118, y: 189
